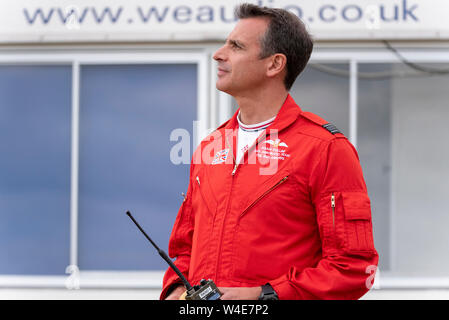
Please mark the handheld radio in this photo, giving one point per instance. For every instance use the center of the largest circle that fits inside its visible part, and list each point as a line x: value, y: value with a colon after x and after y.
x: 206, y: 290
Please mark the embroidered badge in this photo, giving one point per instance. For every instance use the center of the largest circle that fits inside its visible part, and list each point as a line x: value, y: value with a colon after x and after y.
x: 276, y: 150
x: 276, y: 143
x: 220, y: 156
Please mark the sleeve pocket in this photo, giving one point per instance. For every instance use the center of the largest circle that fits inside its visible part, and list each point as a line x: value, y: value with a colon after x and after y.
x: 358, y: 225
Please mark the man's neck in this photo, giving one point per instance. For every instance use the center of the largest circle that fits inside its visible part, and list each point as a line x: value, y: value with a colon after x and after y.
x: 260, y: 107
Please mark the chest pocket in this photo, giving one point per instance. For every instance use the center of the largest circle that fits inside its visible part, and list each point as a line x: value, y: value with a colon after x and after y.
x: 265, y: 190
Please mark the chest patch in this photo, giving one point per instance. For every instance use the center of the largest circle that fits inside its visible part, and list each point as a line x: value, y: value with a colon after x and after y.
x: 220, y: 156
x: 273, y: 150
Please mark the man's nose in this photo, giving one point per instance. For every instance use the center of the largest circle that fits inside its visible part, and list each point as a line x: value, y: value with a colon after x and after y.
x: 219, y: 55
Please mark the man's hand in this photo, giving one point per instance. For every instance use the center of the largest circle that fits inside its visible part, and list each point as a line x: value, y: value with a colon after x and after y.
x: 245, y: 293
x: 176, y: 293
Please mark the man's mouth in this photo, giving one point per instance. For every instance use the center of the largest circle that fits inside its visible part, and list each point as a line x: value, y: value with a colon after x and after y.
x: 221, y: 71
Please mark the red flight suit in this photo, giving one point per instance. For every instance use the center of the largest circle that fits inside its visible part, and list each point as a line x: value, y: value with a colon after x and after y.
x: 296, y: 214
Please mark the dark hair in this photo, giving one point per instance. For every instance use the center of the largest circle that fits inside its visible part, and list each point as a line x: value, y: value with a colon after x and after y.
x: 285, y: 34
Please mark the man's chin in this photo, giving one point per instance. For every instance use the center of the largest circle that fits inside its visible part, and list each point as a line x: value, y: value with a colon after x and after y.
x: 222, y: 87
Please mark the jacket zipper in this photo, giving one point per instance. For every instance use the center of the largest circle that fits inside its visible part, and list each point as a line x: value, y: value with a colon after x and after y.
x: 230, y: 192
x: 333, y: 209
x: 229, y: 145
x: 264, y: 194
x: 228, y: 207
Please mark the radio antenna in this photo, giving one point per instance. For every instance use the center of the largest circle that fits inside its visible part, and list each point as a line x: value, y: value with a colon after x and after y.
x: 162, y: 254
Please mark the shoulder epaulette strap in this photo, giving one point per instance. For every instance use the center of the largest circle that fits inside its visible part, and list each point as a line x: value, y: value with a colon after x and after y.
x: 321, y: 122
x: 331, y: 128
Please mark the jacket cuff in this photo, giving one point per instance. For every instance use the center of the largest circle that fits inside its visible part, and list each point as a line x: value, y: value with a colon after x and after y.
x: 171, y: 279
x: 284, y: 289
x: 169, y: 288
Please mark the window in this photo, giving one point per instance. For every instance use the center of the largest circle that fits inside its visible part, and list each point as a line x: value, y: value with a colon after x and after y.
x: 35, y: 117
x: 403, y: 147
x: 374, y: 148
x: 127, y: 113
x: 93, y: 131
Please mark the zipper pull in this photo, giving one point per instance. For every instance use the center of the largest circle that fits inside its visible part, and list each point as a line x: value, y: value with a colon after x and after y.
x: 235, y: 168
x: 198, y: 179
x: 333, y: 209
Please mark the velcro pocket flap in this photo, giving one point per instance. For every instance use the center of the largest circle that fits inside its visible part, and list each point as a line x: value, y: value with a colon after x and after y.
x: 357, y: 206
x: 358, y: 226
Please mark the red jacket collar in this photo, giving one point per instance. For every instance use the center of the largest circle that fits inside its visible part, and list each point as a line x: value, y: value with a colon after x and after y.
x: 288, y: 114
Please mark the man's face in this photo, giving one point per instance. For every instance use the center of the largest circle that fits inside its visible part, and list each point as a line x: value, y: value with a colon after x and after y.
x: 240, y: 68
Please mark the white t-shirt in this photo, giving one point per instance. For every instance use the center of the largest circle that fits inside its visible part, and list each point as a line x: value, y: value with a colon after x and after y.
x: 248, y: 134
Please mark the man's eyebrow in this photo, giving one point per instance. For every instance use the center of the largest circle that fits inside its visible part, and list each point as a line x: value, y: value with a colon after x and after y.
x: 235, y: 43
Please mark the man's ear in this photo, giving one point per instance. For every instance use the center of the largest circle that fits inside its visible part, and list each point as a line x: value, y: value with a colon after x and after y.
x: 277, y: 64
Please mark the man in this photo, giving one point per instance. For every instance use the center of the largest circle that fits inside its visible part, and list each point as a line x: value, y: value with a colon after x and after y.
x: 280, y: 210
